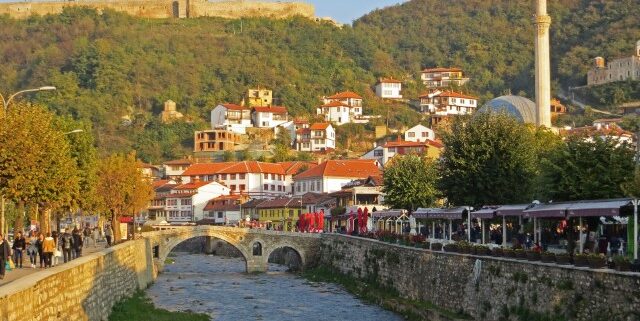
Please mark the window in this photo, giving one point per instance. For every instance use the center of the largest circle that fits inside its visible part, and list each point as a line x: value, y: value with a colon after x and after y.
x: 265, y: 176
x: 318, y: 186
x: 279, y: 188
x: 232, y: 176
x: 242, y: 176
x: 378, y: 153
x: 265, y: 187
x: 233, y: 188
x: 243, y: 187
x: 412, y: 134
x: 392, y: 149
x: 185, y: 201
x: 298, y: 187
x: 220, y: 215
x: 425, y: 134
x: 273, y: 187
x: 223, y: 177
x: 273, y: 176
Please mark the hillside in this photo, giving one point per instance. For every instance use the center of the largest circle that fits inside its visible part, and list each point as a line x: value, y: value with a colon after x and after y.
x: 113, y: 65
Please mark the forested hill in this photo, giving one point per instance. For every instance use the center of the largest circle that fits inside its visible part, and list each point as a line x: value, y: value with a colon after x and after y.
x: 112, y: 65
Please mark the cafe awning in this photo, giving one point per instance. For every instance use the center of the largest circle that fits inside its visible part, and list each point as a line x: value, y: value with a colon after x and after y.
x: 423, y: 212
x: 550, y: 210
x: 485, y: 212
x: 448, y: 213
x: 598, y: 208
x: 512, y: 210
x: 388, y: 213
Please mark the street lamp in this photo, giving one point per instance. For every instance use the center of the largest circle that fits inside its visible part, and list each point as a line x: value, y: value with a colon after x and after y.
x: 5, y: 106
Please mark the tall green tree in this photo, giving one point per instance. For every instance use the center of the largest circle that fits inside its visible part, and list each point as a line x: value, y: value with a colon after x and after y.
x: 410, y: 182
x: 488, y: 159
x: 587, y: 168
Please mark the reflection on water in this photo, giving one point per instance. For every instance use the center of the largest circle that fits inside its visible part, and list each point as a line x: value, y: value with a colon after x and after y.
x: 219, y: 287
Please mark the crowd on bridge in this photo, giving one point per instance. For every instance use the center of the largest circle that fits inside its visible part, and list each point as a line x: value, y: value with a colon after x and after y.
x: 46, y: 250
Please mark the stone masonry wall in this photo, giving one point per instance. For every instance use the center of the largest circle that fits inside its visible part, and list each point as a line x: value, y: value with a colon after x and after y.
x: 488, y: 288
x: 83, y: 289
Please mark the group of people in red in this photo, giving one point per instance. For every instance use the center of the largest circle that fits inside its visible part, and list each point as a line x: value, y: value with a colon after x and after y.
x: 311, y: 222
x: 357, y: 222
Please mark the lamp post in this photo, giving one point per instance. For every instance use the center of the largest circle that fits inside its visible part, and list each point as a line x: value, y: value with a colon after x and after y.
x: 5, y: 106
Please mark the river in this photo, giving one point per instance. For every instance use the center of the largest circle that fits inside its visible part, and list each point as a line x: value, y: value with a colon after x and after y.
x: 219, y: 287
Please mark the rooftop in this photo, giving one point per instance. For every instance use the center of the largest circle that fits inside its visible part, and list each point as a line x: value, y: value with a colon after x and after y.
x: 271, y: 109
x: 352, y: 168
x: 345, y: 95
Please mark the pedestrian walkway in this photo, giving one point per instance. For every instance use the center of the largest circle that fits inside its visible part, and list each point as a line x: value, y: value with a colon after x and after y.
x: 16, y: 274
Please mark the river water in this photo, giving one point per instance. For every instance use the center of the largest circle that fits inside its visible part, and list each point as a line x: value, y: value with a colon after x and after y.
x: 219, y: 287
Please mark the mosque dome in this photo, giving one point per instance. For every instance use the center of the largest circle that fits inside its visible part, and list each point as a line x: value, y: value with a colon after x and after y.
x: 523, y: 109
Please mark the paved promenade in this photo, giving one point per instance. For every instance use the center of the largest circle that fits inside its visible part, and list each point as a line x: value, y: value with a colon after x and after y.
x: 26, y: 266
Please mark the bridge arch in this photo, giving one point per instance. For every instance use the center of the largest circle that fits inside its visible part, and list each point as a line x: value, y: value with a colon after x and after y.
x: 282, y: 245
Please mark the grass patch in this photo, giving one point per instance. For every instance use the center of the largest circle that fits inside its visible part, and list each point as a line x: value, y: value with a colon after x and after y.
x: 384, y: 296
x: 169, y: 261
x: 139, y: 307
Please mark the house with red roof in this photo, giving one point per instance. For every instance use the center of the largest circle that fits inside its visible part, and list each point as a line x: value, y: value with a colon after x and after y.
x: 269, y: 116
x: 389, y: 88
x: 440, y: 77
x: 231, y: 117
x: 186, y: 202
x: 173, y: 169
x: 443, y: 104
x: 341, y: 108
x: 318, y: 137
x: 386, y: 152
x: 224, y: 210
x: 331, y: 175
x: 256, y: 179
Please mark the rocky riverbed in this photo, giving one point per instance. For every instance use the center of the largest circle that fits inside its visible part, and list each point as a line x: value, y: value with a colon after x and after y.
x: 219, y: 287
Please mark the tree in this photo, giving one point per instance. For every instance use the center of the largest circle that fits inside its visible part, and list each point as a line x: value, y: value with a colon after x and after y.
x: 587, y: 168
x: 35, y: 163
x: 410, y: 182
x: 122, y: 188
x: 489, y: 159
x: 281, y: 153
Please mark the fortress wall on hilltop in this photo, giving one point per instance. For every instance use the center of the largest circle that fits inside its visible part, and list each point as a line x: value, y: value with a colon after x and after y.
x: 166, y: 8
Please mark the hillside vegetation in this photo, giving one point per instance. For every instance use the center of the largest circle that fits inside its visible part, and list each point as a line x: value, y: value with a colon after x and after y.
x: 112, y: 65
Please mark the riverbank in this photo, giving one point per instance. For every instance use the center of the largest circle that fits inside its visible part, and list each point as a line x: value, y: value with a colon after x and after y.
x: 388, y: 298
x: 140, y: 307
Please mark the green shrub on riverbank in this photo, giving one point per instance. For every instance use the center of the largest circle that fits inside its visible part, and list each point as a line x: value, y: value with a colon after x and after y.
x: 139, y: 307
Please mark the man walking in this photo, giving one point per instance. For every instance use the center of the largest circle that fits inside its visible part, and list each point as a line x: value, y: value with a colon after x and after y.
x: 108, y: 233
x: 19, y: 245
x: 78, y: 243
x: 5, y: 254
x: 66, y: 244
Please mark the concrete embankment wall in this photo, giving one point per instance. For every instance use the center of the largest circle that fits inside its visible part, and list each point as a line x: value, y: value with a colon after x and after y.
x: 83, y: 289
x: 487, y: 288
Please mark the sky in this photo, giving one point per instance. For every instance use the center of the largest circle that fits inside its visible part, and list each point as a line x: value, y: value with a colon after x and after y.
x: 345, y: 11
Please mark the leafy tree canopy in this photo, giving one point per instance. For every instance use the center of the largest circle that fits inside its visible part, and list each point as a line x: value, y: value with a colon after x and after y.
x: 410, y: 182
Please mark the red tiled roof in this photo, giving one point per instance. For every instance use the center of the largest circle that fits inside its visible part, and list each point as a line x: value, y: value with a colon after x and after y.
x: 334, y: 104
x: 233, y: 168
x: 352, y: 168
x: 179, y: 162
x: 389, y: 81
x: 213, y: 206
x: 319, y: 126
x: 456, y: 95
x: 192, y: 185
x: 234, y: 107
x: 271, y: 109
x: 441, y: 69
x: 404, y: 143
x: 345, y: 95
x: 292, y: 168
x: 280, y: 202
x: 181, y: 195
x: 300, y: 121
x: 160, y: 182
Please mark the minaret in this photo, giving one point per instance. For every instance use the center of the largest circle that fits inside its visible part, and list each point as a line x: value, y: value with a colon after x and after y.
x: 543, y: 66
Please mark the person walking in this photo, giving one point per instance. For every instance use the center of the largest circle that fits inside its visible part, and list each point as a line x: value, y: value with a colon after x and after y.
x: 66, y: 244
x: 108, y: 233
x: 96, y: 236
x: 78, y: 243
x: 19, y: 245
x: 32, y: 249
x: 87, y: 236
x: 5, y: 254
x: 48, y: 246
x: 39, y: 244
x: 57, y: 254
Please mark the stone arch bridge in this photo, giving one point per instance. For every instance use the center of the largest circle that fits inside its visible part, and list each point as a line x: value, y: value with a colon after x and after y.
x: 254, y: 244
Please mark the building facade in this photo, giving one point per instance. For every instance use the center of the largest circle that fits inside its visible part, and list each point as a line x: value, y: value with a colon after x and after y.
x: 269, y: 117
x: 441, y: 105
x: 215, y: 140
x: 258, y: 98
x: 170, y: 112
x: 231, y: 117
x: 419, y: 133
x: 316, y: 138
x: 186, y: 202
x: 443, y: 77
x: 331, y: 175
x: 620, y: 69
x: 389, y: 88
x: 341, y: 108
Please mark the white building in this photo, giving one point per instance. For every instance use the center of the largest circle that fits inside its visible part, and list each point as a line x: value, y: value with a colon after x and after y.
x: 173, y: 169
x: 269, y: 117
x: 231, y: 117
x: 621, y: 69
x: 441, y: 105
x: 377, y: 154
x: 443, y: 77
x: 223, y: 210
x: 317, y: 137
x: 389, y: 88
x: 341, y: 108
x: 186, y: 202
x: 331, y: 175
x: 419, y: 133
x: 256, y: 179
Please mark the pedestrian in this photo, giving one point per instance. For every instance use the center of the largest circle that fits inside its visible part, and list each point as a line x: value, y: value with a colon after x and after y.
x: 32, y: 249
x: 48, y: 246
x: 57, y: 254
x: 19, y: 245
x: 87, y: 236
x: 96, y: 235
x: 66, y: 245
x: 39, y: 243
x: 78, y: 243
x: 5, y: 254
x: 108, y: 233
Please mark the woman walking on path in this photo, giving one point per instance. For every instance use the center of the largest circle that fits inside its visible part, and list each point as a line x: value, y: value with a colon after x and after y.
x: 19, y: 245
x: 5, y: 254
x: 32, y: 249
x: 39, y: 245
x: 48, y: 246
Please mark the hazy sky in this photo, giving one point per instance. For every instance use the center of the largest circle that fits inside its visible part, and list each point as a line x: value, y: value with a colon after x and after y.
x: 345, y: 11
